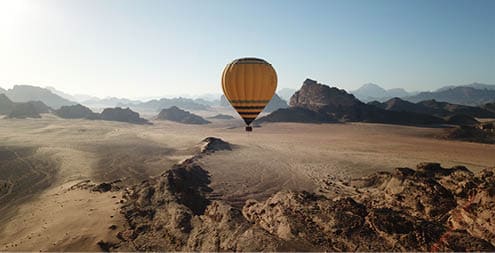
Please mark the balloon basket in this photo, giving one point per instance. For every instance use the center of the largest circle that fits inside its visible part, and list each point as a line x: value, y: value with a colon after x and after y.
x: 249, y: 129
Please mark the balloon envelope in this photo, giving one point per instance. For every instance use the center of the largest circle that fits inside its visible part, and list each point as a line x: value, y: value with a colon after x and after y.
x: 249, y: 84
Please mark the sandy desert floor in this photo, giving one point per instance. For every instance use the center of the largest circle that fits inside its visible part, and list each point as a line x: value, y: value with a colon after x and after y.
x: 42, y: 159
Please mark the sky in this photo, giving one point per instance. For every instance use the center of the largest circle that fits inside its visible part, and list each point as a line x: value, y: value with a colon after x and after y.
x: 131, y: 48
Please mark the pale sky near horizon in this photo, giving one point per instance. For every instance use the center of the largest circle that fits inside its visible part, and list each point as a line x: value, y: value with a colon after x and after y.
x: 130, y: 48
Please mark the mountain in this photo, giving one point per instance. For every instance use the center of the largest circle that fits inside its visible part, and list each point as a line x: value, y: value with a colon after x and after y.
x: 224, y: 102
x: 479, y: 86
x: 397, y: 92
x: 61, y: 93
x: 434, y: 108
x: 6, y: 105
x: 371, y: 91
x: 25, y: 93
x: 122, y: 115
x: 157, y: 105
x: 76, y: 112
x: 321, y: 103
x: 450, y: 109
x: 275, y: 103
x: 31, y: 109
x: 286, y: 93
x: 457, y: 95
x: 176, y: 114
x: 110, y: 102
x: 2, y: 90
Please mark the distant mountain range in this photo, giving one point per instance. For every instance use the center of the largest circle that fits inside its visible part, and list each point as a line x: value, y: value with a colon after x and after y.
x: 479, y: 86
x: 370, y: 91
x: 458, y: 95
x: 163, y: 103
x: 286, y: 93
x: 469, y: 94
x: 26, y: 93
x: 2, y: 90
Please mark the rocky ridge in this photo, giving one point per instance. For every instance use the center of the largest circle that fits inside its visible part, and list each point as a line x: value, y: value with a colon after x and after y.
x: 429, y: 208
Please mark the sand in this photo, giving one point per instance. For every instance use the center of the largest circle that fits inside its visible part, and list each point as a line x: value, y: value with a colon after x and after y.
x: 46, y: 215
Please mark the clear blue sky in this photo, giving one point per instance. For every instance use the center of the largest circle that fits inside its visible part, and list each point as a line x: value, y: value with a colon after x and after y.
x: 152, y: 48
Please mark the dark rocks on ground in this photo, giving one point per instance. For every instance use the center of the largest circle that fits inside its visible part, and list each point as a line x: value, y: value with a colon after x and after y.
x: 469, y: 133
x: 76, y: 112
x: 176, y: 114
x: 122, y: 115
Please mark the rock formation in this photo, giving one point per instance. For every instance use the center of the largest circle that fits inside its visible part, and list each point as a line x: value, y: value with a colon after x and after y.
x: 470, y: 133
x: 427, y: 209
x: 122, y: 115
x: 76, y: 112
x: 176, y: 114
x: 332, y: 104
x: 6, y: 105
x: 31, y: 109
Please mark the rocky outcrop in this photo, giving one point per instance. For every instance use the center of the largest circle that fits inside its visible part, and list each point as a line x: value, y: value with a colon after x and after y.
x: 211, y: 144
x: 122, y: 115
x: 76, y: 112
x: 176, y: 114
x: 427, y: 209
x: 30, y: 109
x: 329, y: 104
x: 6, y: 105
x: 318, y: 97
x: 469, y: 133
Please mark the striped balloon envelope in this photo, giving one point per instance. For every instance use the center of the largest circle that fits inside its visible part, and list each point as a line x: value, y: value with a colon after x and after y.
x: 249, y: 84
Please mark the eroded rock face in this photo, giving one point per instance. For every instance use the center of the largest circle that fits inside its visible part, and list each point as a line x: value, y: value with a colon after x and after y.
x: 317, y: 97
x: 122, y: 115
x: 76, y: 112
x: 426, y: 209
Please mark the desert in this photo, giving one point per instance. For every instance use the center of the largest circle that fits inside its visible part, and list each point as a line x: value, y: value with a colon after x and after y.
x: 50, y: 166
x: 247, y: 126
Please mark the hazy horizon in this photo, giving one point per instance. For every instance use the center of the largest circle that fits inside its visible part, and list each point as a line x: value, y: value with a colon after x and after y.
x: 168, y: 48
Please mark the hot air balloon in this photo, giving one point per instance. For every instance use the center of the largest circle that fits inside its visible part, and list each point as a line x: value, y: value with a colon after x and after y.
x: 249, y: 84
